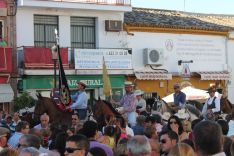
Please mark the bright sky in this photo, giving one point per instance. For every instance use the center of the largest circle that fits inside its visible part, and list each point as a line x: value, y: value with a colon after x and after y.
x: 202, y: 6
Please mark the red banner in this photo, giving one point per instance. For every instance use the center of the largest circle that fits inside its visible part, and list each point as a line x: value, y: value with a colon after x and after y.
x: 3, y: 4
x: 38, y: 57
x: 3, y: 79
x: 5, y: 59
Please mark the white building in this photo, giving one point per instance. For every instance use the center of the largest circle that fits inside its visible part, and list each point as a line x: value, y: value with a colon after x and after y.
x: 82, y: 24
x: 192, y: 49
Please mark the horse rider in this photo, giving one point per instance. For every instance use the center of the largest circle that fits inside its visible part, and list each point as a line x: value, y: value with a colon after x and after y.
x: 212, y: 104
x: 141, y: 103
x: 80, y: 101
x: 128, y: 101
x: 179, y: 98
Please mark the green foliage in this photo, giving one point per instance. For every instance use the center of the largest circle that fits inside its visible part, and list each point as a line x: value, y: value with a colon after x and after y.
x: 24, y: 100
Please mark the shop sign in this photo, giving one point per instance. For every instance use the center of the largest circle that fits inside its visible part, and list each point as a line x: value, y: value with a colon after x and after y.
x: 47, y: 82
x: 153, y: 76
x: 93, y: 58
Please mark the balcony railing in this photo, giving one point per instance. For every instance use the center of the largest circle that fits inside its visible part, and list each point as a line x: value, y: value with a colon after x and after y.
x: 107, y: 2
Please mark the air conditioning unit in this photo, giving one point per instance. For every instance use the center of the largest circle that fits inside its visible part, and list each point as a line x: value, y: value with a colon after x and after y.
x: 153, y: 56
x: 113, y: 25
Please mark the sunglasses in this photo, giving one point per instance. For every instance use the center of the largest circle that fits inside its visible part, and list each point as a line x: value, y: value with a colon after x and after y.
x: 173, y: 122
x: 71, y: 150
x: 163, y: 141
x: 21, y: 145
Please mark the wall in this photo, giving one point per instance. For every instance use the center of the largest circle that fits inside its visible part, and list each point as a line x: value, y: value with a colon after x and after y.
x: 25, y: 26
x: 230, y: 84
x: 207, y: 52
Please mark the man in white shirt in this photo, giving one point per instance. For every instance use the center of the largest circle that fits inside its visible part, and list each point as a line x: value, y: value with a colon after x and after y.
x: 212, y: 104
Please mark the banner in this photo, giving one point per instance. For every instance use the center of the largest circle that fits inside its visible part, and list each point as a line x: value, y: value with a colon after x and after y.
x: 106, y: 81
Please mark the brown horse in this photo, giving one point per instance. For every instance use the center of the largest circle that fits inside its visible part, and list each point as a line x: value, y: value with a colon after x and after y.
x: 104, y: 112
x: 47, y: 105
x: 226, y: 105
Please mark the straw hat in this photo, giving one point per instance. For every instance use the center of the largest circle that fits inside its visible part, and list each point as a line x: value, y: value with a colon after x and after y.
x: 211, y: 89
x: 166, y: 116
x: 182, y: 114
x: 82, y: 83
x: 138, y: 92
x: 128, y: 83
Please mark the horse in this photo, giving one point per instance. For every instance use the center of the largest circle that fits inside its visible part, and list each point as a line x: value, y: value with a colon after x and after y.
x: 225, y: 105
x: 163, y: 107
x: 48, y: 106
x: 104, y: 112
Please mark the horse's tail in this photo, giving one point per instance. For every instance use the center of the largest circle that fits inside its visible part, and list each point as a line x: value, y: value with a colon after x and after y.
x: 39, y: 96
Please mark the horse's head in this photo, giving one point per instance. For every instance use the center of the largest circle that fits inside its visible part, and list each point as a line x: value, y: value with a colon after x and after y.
x: 40, y: 107
x: 226, y: 105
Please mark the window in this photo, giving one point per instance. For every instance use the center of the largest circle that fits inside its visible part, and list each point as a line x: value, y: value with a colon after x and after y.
x: 83, y: 32
x: 44, y: 27
x: 1, y: 31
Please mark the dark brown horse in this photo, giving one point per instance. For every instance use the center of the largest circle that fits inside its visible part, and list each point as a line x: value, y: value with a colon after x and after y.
x: 47, y: 105
x: 226, y: 105
x: 104, y: 112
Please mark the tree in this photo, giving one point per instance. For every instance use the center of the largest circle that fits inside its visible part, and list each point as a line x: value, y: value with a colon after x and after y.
x: 23, y: 101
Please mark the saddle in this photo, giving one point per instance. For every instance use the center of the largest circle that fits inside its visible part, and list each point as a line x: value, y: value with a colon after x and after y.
x: 54, y: 95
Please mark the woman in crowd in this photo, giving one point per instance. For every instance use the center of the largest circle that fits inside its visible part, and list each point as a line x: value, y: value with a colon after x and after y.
x: 175, y: 125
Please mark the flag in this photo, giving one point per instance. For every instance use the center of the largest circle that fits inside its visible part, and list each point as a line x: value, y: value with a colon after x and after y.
x: 64, y: 91
x: 106, y: 81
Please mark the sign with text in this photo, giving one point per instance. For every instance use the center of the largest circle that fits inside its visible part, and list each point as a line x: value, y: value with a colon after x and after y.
x: 93, y: 58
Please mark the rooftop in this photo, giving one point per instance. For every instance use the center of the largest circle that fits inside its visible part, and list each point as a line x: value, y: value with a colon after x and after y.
x: 178, y: 19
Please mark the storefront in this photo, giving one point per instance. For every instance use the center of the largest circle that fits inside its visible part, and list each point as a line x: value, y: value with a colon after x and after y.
x: 94, y: 83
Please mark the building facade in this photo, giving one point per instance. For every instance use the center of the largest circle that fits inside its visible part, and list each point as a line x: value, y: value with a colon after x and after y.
x: 179, y: 47
x: 81, y: 25
x: 7, y: 43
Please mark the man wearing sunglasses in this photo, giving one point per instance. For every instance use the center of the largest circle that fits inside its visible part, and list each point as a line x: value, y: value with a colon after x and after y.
x: 167, y: 140
x: 77, y: 145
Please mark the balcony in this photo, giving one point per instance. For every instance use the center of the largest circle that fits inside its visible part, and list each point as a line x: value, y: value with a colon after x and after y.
x: 105, y: 2
x: 108, y: 5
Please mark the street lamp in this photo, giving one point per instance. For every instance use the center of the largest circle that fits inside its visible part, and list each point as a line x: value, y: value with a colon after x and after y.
x: 54, y: 52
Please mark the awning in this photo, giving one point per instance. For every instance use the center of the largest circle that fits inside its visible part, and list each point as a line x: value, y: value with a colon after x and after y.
x: 6, y: 93
x: 148, y: 74
x: 214, y: 75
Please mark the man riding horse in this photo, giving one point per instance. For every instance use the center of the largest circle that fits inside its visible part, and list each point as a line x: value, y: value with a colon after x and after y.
x: 179, y: 98
x: 80, y: 101
x: 212, y: 104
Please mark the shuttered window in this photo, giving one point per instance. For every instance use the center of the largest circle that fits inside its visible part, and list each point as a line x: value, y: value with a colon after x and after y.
x: 44, y: 27
x: 1, y: 30
x: 83, y: 32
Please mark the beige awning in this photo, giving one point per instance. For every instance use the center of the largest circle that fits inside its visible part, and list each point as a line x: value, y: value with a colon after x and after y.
x: 148, y: 74
x: 6, y: 93
x: 214, y: 75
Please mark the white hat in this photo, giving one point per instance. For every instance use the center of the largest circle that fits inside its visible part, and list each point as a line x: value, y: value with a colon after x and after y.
x: 128, y: 83
x: 138, y: 92
x: 182, y: 114
x: 166, y: 116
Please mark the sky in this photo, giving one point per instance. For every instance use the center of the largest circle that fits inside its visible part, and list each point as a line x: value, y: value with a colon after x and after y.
x: 198, y: 6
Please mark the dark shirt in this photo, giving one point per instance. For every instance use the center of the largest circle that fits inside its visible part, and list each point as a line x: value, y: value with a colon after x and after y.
x: 179, y: 98
x: 138, y: 130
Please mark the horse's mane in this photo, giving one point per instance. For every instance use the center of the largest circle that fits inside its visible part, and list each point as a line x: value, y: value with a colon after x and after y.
x: 193, y: 110
x: 111, y: 108
x: 196, y: 103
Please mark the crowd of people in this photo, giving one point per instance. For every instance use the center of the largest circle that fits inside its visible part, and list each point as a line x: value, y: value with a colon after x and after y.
x: 145, y: 134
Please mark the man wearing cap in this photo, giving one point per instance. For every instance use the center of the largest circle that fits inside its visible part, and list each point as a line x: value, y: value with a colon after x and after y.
x: 179, y: 97
x: 4, y: 132
x: 80, y: 100
x: 128, y: 102
x: 212, y: 104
